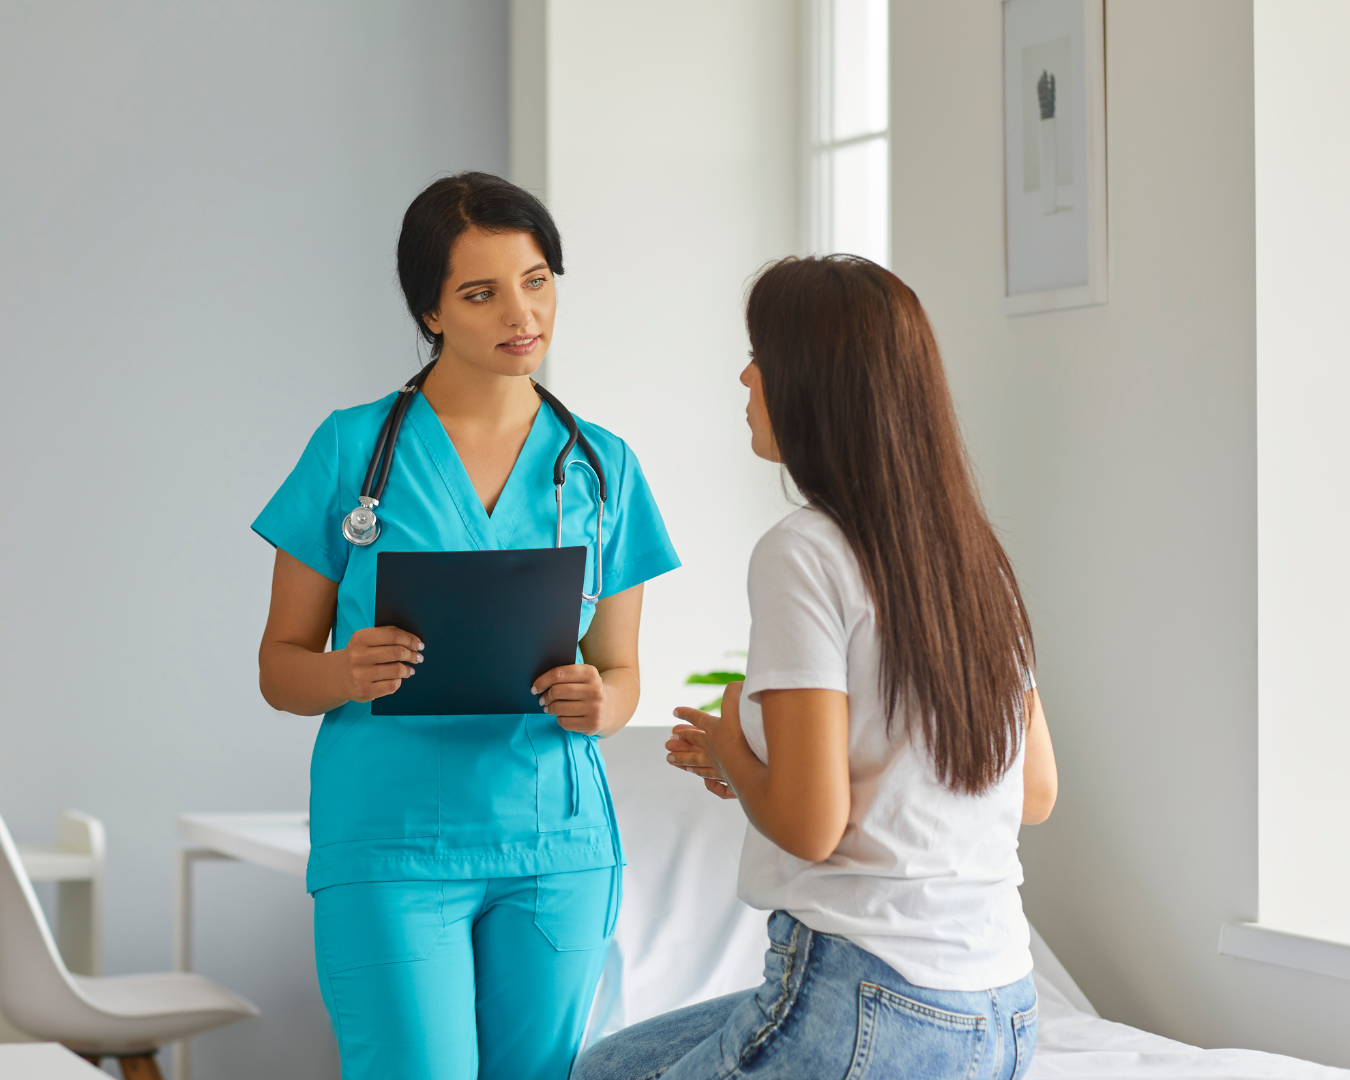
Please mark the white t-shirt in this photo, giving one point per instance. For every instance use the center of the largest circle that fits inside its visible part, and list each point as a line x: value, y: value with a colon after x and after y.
x: 924, y: 878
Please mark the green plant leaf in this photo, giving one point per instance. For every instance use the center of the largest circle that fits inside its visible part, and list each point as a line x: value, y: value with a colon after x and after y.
x: 710, y: 706
x: 714, y: 678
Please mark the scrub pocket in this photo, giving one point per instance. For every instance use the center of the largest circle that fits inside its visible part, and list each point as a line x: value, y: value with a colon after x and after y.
x: 898, y: 1036
x: 381, y: 780
x: 568, y: 789
x: 377, y: 922
x: 576, y: 911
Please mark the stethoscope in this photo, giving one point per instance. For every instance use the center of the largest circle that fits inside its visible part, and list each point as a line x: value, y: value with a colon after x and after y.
x: 362, y: 527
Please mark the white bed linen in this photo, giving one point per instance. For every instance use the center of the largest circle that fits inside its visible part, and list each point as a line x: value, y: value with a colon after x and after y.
x: 1073, y: 1045
x: 684, y: 937
x: 682, y: 934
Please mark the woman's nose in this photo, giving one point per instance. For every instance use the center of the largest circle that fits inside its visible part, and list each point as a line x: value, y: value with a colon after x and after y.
x: 519, y: 313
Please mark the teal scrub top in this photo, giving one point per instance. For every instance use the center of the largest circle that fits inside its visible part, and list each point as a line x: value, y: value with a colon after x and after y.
x: 439, y: 797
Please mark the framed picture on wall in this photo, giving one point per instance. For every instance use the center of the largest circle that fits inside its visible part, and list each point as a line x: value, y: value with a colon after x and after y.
x: 1054, y: 155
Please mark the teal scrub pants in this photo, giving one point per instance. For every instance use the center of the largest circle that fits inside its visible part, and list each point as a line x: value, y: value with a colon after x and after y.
x: 457, y: 980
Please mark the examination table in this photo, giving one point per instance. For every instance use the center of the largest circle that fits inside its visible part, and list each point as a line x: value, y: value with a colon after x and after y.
x: 683, y: 937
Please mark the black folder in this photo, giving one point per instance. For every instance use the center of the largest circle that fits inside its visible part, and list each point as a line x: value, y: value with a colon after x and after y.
x: 492, y: 622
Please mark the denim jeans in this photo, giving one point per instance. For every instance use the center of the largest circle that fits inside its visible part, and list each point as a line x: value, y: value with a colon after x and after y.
x: 827, y: 1010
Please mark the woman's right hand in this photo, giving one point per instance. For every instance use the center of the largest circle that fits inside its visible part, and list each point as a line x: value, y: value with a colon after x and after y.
x: 297, y: 673
x: 377, y: 660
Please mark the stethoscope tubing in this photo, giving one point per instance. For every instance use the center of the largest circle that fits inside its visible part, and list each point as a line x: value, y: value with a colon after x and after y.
x: 361, y: 526
x: 393, y: 423
x: 574, y: 438
x: 599, y: 528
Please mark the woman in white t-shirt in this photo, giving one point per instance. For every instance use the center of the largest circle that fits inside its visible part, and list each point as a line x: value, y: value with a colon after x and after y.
x: 888, y: 740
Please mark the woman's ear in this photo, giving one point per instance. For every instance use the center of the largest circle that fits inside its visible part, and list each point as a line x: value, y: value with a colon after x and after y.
x: 433, y: 321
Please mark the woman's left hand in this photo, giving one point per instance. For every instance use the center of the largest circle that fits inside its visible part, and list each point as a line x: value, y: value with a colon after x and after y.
x: 576, y: 695
x: 704, y: 742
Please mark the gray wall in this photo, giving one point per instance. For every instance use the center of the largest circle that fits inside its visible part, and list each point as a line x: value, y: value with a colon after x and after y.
x: 198, y: 209
x: 1117, y: 451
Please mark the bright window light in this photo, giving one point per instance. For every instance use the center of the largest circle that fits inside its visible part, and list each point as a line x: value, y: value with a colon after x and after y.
x: 848, y: 167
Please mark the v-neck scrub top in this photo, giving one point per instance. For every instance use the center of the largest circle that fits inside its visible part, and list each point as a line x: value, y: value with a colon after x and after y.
x: 455, y: 797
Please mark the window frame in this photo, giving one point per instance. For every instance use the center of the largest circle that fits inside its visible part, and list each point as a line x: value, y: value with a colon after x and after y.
x: 820, y: 153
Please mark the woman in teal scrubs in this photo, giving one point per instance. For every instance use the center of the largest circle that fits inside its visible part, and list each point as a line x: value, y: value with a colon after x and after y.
x: 466, y: 870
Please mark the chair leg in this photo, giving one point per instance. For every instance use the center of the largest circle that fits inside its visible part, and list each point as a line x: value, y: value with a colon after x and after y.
x: 141, y: 1067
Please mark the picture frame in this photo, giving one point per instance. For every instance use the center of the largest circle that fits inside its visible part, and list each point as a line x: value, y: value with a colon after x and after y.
x: 1054, y: 121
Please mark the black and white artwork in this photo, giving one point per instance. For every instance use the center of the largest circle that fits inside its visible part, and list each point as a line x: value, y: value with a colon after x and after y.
x: 1054, y: 154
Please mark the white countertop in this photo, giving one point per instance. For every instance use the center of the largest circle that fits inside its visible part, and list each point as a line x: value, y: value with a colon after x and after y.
x: 278, y: 841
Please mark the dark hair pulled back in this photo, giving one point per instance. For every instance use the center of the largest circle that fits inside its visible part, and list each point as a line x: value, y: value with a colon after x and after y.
x: 442, y: 213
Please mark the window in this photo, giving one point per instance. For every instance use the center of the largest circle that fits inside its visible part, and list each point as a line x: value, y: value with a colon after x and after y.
x: 1302, y: 102
x: 848, y: 158
x: 1302, y: 93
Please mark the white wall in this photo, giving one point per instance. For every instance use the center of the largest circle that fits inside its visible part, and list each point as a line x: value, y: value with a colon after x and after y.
x: 201, y: 203
x: 1117, y: 450
x: 1303, y: 459
x: 671, y: 166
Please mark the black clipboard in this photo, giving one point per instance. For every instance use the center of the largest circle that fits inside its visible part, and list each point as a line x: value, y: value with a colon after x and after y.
x: 491, y: 621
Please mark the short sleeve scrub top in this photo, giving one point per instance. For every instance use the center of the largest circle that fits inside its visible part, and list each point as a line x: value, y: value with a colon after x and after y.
x: 457, y: 798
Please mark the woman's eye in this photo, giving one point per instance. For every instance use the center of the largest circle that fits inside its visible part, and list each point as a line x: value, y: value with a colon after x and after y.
x: 479, y: 297
x: 535, y: 283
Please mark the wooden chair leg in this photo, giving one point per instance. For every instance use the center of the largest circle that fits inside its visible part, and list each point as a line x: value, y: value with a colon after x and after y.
x: 141, y: 1067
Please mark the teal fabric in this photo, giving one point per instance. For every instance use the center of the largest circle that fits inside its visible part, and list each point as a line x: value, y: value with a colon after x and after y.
x: 486, y: 979
x: 456, y: 797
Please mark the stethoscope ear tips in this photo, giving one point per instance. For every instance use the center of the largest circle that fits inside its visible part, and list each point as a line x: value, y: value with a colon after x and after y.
x: 361, y: 526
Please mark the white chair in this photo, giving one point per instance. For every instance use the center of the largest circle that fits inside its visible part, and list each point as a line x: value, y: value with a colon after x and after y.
x: 75, y: 862
x: 124, y: 1016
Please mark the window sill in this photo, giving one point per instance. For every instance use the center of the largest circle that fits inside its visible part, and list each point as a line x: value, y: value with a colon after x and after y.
x: 1252, y: 941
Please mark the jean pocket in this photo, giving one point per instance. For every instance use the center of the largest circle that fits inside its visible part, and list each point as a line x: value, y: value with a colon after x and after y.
x: 576, y: 911
x: 1024, y: 1040
x: 367, y: 923
x: 898, y: 1036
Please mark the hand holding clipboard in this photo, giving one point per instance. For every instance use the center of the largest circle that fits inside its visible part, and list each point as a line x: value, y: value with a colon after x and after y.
x: 491, y: 623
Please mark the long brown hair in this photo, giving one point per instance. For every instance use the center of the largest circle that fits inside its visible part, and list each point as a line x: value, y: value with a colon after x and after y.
x: 865, y: 425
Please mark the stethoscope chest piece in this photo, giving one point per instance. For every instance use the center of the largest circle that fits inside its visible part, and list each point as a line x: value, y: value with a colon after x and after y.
x: 361, y: 526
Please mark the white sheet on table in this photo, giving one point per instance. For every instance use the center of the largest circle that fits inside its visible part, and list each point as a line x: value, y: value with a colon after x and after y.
x: 684, y: 937
x: 1072, y: 1045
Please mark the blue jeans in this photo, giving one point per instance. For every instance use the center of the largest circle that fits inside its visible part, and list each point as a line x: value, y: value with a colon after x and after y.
x: 828, y: 1009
